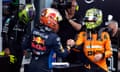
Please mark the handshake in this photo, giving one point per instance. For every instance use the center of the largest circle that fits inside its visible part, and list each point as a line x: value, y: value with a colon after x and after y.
x: 70, y: 43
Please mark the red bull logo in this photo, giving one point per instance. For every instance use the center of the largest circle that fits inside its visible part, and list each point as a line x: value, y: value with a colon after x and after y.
x: 38, y: 40
x: 38, y: 43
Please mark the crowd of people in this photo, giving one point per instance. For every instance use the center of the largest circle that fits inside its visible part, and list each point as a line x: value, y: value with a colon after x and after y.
x: 61, y: 33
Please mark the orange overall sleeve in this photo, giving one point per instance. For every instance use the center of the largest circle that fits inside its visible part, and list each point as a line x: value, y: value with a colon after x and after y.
x: 80, y: 38
x: 108, y: 48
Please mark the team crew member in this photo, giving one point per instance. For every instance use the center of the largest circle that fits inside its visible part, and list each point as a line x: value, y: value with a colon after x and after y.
x: 115, y: 41
x: 69, y: 28
x: 14, y: 28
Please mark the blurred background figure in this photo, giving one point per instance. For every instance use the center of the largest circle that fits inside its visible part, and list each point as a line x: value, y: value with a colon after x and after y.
x: 70, y: 25
x: 114, y: 32
x: 14, y: 27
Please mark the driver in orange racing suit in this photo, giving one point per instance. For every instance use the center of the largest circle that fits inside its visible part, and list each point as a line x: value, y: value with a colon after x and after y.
x: 94, y: 44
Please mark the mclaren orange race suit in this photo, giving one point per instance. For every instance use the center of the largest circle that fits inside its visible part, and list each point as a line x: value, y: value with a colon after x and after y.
x: 92, y: 46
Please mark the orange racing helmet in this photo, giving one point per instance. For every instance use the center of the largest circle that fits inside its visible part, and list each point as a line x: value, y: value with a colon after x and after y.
x: 50, y: 18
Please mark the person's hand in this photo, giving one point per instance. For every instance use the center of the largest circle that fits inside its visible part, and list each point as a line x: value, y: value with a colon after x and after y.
x: 7, y: 51
x: 67, y: 15
x: 70, y: 42
x: 98, y: 57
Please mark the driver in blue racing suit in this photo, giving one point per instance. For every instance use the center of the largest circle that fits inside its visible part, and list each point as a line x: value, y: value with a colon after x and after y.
x: 44, y: 40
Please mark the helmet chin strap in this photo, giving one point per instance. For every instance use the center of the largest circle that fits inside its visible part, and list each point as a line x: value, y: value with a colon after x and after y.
x: 95, y: 31
x: 89, y: 34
